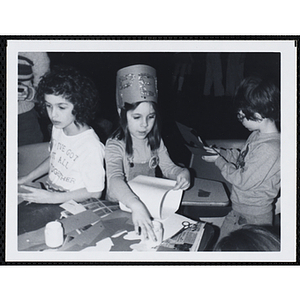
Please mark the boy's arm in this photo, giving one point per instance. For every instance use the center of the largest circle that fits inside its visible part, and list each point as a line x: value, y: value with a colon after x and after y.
x: 257, y: 166
x: 40, y: 170
x: 230, y: 154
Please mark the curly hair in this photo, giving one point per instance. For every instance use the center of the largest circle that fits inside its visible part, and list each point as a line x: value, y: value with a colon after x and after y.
x: 122, y: 133
x: 72, y: 86
x: 255, y: 95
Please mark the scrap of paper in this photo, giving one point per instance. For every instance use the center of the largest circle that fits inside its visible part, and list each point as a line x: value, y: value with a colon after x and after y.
x: 103, y: 245
x: 203, y: 193
x: 143, y: 245
x: 87, y: 238
x: 73, y: 207
x: 78, y: 221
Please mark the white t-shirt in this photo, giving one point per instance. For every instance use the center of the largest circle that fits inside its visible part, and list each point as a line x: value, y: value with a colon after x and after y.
x: 76, y: 161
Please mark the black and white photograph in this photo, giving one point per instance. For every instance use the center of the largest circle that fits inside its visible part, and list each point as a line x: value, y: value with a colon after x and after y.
x: 151, y: 151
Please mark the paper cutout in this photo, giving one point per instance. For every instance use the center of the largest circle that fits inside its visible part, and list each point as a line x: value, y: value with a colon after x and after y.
x: 132, y: 235
x: 73, y: 207
x: 100, y: 207
x: 119, y: 233
x: 78, y: 221
x: 116, y: 226
x: 202, y: 193
x: 190, y: 136
x: 193, y: 141
x: 157, y: 194
x: 103, y: 245
x: 120, y: 244
x: 142, y: 247
x: 146, y: 244
x: 89, y: 237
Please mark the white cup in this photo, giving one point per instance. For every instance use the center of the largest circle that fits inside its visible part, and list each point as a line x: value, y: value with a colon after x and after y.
x: 54, y: 235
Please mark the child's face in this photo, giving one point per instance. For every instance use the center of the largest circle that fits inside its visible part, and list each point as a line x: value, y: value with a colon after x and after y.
x: 251, y: 125
x: 60, y: 112
x: 141, y: 120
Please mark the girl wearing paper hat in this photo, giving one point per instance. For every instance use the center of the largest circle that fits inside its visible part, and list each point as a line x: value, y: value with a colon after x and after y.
x: 136, y: 147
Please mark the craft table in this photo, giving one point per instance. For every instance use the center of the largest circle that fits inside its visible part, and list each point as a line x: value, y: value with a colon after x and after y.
x: 114, y: 227
x: 205, y: 192
x: 206, y: 198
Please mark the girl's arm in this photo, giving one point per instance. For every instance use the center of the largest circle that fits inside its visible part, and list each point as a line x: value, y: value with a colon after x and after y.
x: 119, y: 190
x: 183, y: 180
x: 117, y: 187
x: 44, y: 196
x: 172, y: 171
x: 40, y: 170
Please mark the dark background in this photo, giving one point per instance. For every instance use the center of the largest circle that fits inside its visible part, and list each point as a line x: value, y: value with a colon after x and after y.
x: 212, y: 117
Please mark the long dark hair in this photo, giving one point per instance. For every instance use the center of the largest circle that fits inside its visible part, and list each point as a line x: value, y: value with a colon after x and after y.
x: 122, y: 133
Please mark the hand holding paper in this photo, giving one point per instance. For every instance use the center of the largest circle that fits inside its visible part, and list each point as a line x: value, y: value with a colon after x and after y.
x: 142, y: 220
x: 183, y: 180
x: 193, y: 142
x: 157, y: 194
x: 36, y: 195
x: 213, y: 154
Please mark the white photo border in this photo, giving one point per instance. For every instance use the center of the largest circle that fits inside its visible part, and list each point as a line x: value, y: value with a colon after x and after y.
x: 288, y: 68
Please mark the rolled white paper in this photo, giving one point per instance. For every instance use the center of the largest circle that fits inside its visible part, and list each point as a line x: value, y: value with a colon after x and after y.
x: 157, y: 194
x: 54, y: 235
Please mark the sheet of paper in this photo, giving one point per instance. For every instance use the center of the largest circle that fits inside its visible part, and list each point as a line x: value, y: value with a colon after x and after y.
x: 73, y: 207
x: 190, y: 136
x: 87, y: 238
x: 157, y: 194
x: 103, y: 246
x: 78, y: 221
x: 193, y: 142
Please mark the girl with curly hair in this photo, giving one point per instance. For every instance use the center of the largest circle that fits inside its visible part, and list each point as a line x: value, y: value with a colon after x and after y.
x: 75, y: 165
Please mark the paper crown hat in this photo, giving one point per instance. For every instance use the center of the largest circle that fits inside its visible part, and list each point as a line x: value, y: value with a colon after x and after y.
x: 135, y: 84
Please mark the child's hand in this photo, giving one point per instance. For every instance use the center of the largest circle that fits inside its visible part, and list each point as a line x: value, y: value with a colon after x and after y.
x: 210, y: 149
x: 141, y: 219
x: 36, y: 195
x: 23, y: 180
x: 183, y: 180
x: 210, y: 158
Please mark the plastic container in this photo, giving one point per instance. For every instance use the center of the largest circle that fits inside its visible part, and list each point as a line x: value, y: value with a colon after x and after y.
x: 54, y: 236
